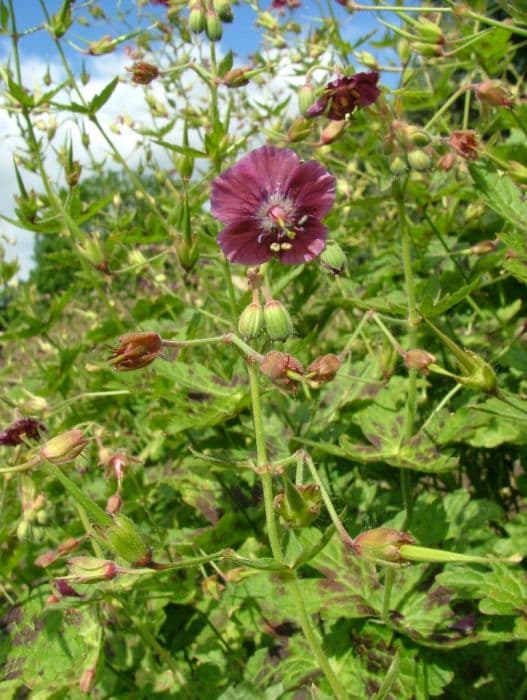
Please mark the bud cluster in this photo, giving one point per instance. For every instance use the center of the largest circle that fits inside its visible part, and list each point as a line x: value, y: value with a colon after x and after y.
x: 422, y: 36
x: 209, y: 17
x: 409, y: 147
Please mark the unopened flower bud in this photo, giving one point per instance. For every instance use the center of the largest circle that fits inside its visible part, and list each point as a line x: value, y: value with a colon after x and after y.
x: 64, y: 447
x: 224, y: 10
x: 196, y: 18
x: 403, y: 50
x: 484, y: 247
x: 125, y: 540
x: 426, y: 50
x: 492, y: 92
x: 418, y: 359
x: 143, y: 73
x: 187, y: 253
x: 47, y: 558
x: 299, y: 130
x: 323, y: 370
x: 251, y: 321
x: 306, y: 97
x: 382, y: 544
x: 235, y: 78
x: 136, y: 350
x: 278, y: 366
x: 114, y: 504
x: 213, y: 27
x: 447, y: 161
x: 298, y: 505
x: 429, y: 31
x: 69, y: 545
x: 33, y: 404
x: 92, y: 569
x: 104, y: 45
x: 277, y: 321
x: 419, y: 160
x: 331, y: 132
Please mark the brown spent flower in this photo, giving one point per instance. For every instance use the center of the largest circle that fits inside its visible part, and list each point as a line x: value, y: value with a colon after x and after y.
x: 143, y: 73
x: 492, y: 92
x: 418, y: 359
x: 465, y: 143
x: 323, y: 370
x: 277, y: 365
x: 136, y: 350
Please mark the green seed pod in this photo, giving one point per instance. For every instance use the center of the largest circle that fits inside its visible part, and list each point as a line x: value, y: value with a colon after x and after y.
x: 398, y: 166
x: 429, y: 31
x: 333, y: 259
x: 418, y: 137
x: 224, y: 10
x: 426, y: 50
x: 277, y: 321
x: 299, y: 130
x: 251, y: 321
x: 125, y: 540
x: 298, y: 506
x: 196, y: 18
x: 213, y: 28
x: 419, y: 160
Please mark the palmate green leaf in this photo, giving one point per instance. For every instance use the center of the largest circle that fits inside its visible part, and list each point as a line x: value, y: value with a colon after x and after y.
x: 500, y: 194
x: 502, y: 591
x: 47, y: 648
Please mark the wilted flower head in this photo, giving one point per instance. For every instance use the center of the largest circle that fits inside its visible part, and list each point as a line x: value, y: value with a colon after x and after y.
x: 22, y: 428
x: 494, y: 93
x: 136, y: 350
x: 278, y: 366
x: 143, y: 73
x: 464, y: 143
x: 272, y: 204
x: 343, y: 95
x: 291, y: 4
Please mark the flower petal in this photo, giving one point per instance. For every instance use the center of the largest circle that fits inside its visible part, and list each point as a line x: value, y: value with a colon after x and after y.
x: 239, y: 242
x: 312, y: 189
x: 306, y: 246
x: 240, y: 190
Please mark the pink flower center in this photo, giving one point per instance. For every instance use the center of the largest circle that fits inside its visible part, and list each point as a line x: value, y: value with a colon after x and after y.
x: 279, y: 223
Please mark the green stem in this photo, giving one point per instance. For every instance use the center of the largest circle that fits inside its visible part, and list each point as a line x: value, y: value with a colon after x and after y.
x: 413, y: 320
x: 313, y: 641
x: 388, y: 585
x: 92, y: 509
x: 328, y: 503
x: 262, y: 463
x: 445, y: 106
x: 272, y: 531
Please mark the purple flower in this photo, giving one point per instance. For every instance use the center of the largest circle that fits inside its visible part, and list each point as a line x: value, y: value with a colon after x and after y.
x: 272, y: 203
x: 28, y: 428
x: 343, y: 95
